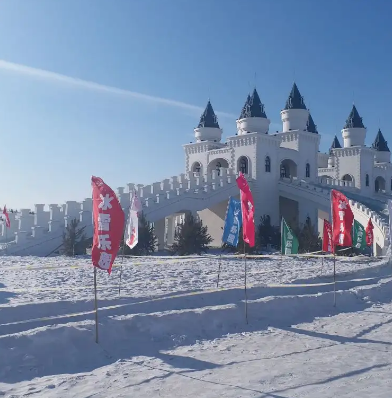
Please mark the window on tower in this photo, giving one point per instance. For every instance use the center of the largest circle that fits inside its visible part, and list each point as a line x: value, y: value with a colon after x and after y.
x: 267, y: 164
x: 196, y: 167
x: 243, y: 165
x: 307, y: 171
x: 367, y: 180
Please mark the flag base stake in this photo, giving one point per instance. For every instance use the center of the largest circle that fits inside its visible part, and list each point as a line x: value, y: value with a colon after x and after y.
x: 96, y: 304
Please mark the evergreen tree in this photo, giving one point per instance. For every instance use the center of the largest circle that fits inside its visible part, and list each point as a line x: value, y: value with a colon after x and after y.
x: 74, y: 239
x: 147, y: 241
x: 192, y: 237
x: 267, y: 233
x: 308, y: 237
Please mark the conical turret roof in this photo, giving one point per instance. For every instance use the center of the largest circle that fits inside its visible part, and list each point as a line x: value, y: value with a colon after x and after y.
x: 295, y: 100
x: 244, y: 108
x: 310, y: 125
x: 354, y: 120
x: 253, y: 107
x: 208, y: 118
x: 379, y: 143
x: 335, y: 143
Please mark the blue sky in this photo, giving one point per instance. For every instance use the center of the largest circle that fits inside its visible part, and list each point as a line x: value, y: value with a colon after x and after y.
x: 146, y: 69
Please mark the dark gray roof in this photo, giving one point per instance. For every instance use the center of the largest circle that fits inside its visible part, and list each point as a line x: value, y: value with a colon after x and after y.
x: 310, y: 125
x: 379, y: 143
x: 253, y: 107
x: 354, y: 120
x: 335, y: 143
x: 244, y: 108
x: 295, y: 100
x: 208, y: 118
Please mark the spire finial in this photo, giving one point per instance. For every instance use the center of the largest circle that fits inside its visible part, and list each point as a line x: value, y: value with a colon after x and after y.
x: 255, y: 79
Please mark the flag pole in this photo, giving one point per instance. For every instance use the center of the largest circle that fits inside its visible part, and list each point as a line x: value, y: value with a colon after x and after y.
x: 334, y: 253
x: 123, y: 252
x: 219, y: 270
x: 6, y: 239
x: 122, y: 260
x: 96, y: 304
x: 246, y: 293
x: 334, y: 278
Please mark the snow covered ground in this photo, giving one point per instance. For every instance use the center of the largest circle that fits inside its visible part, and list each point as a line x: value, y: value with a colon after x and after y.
x: 172, y: 333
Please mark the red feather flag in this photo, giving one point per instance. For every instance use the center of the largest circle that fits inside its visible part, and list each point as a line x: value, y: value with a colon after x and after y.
x: 369, y: 233
x: 247, y: 207
x: 7, y: 218
x: 327, y: 237
x: 108, y: 219
x: 342, y: 219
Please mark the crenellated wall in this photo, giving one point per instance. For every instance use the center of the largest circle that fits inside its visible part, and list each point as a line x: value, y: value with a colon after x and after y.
x: 41, y: 233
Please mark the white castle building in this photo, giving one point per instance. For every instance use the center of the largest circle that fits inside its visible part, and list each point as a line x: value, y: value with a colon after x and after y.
x: 287, y: 174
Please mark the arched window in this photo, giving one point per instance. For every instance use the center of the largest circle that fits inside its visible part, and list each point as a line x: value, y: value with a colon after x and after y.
x: 307, y: 170
x: 218, y: 167
x: 244, y: 165
x: 196, y: 167
x: 267, y: 164
x: 367, y: 180
x: 391, y: 184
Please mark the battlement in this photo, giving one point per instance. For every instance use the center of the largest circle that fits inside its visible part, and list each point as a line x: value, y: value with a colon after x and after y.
x: 32, y: 228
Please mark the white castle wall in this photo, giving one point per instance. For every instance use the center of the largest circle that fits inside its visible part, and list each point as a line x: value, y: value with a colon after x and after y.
x: 206, y: 191
x: 322, y: 160
x: 176, y: 195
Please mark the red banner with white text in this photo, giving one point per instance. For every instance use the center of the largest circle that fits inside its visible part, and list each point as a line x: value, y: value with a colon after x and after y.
x: 342, y: 219
x: 108, y: 219
x: 247, y: 207
x: 369, y: 233
x: 7, y: 218
x: 327, y: 237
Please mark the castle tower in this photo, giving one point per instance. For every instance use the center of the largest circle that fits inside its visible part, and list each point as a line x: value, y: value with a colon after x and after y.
x: 208, y: 128
x: 383, y: 154
x: 253, y: 118
x: 335, y: 145
x: 354, y: 132
x: 295, y: 115
x: 310, y: 125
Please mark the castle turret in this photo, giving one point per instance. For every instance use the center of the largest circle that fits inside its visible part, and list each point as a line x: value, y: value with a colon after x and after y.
x: 354, y: 132
x: 310, y: 125
x: 383, y: 154
x: 294, y: 115
x: 208, y: 128
x: 253, y: 118
x: 335, y: 145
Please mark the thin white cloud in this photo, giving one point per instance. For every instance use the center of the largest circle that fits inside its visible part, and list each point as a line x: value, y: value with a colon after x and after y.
x: 59, y: 78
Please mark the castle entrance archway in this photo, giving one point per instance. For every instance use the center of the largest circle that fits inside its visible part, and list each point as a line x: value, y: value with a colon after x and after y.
x: 288, y: 168
x: 379, y: 184
x: 217, y: 164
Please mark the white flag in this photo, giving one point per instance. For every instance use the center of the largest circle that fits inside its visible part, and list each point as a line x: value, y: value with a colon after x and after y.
x: 132, y: 230
x: 135, y: 203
